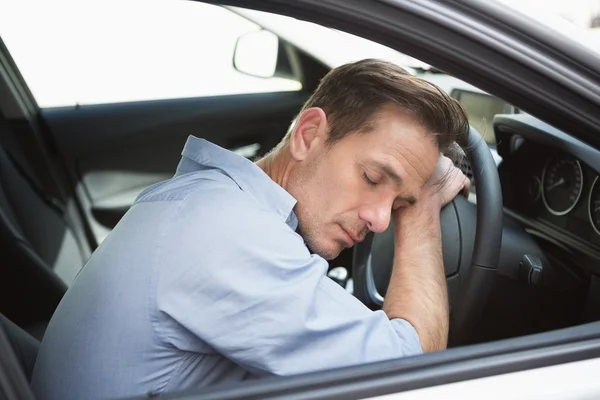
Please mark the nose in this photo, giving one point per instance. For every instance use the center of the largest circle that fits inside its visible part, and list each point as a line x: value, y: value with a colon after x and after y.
x: 377, y: 217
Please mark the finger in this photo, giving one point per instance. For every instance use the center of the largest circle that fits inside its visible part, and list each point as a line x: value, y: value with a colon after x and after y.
x: 467, y: 187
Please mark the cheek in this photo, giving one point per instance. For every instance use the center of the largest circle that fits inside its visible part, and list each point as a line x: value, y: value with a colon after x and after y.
x: 332, y: 191
x: 346, y: 190
x: 314, y: 192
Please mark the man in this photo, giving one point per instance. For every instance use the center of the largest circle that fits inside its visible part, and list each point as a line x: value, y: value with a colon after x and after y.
x: 219, y: 273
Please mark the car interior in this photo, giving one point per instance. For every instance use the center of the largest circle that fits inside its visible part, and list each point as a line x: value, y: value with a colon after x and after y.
x: 68, y: 175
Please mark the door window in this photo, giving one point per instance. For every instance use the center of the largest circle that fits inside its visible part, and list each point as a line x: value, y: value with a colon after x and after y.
x: 88, y: 52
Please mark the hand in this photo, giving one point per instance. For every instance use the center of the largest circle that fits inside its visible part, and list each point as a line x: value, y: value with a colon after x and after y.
x: 446, y: 183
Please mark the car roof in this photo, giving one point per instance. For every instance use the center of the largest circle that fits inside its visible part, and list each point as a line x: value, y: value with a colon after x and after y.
x: 334, y: 48
x: 328, y: 46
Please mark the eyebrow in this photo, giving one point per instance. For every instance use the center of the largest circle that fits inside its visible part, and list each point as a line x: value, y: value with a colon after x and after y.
x: 395, y: 178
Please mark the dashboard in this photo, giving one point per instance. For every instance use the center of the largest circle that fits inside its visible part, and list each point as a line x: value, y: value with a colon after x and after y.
x: 550, y: 180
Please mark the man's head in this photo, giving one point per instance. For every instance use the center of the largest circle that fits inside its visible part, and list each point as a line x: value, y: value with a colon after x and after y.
x: 365, y: 143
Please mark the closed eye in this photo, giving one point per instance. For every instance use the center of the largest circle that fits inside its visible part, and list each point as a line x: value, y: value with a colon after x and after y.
x: 368, y: 180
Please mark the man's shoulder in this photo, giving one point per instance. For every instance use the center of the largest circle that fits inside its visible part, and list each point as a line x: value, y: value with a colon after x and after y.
x: 212, y: 182
x: 218, y: 223
x: 210, y: 207
x: 209, y: 195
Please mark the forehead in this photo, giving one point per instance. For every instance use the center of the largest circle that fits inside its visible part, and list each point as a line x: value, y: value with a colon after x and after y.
x: 399, y: 141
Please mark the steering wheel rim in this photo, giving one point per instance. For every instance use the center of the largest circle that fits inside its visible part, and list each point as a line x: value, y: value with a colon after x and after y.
x: 476, y: 281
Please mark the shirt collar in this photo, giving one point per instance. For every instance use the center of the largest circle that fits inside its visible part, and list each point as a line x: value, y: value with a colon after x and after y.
x: 199, y: 154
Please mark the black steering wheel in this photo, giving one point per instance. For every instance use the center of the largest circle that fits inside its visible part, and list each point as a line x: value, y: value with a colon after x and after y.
x: 471, y: 239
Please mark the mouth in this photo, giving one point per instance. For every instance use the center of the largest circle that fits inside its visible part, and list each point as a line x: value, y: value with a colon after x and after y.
x: 350, y: 238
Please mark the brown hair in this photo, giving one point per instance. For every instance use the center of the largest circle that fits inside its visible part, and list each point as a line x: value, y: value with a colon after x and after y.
x: 352, y: 94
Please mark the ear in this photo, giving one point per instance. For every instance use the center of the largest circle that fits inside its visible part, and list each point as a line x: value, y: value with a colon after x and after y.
x: 309, y: 133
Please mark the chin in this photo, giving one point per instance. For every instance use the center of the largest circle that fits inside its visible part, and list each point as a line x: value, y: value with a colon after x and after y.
x: 328, y: 252
x: 328, y: 249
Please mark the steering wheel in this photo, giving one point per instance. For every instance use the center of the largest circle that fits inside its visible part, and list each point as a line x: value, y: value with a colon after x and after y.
x: 471, y: 239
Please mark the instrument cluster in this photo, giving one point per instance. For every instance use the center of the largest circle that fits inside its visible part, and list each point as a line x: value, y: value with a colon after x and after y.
x: 557, y: 188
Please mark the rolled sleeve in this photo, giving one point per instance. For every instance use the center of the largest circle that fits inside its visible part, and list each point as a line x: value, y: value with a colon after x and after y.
x: 242, y: 283
x: 409, y: 336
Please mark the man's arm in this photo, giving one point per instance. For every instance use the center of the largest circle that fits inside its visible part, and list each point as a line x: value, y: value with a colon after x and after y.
x: 417, y: 290
x: 249, y: 289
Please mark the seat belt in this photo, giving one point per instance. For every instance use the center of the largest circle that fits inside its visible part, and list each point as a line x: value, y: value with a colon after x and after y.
x: 17, y: 158
x: 13, y: 383
x: 19, y: 161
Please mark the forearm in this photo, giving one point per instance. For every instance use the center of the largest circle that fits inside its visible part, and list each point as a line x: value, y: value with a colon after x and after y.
x: 417, y: 290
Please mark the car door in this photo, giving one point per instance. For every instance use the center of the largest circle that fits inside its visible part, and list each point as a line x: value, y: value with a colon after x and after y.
x: 476, y: 42
x: 119, y: 103
x: 543, y: 366
x: 453, y: 36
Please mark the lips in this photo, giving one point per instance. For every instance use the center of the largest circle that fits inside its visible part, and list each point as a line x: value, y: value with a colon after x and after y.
x: 352, y: 238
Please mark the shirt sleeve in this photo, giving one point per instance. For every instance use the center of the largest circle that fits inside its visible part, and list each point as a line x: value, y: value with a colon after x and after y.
x: 236, y: 279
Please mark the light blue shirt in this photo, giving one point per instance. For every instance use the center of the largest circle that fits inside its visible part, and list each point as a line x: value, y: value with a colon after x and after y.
x: 206, y: 280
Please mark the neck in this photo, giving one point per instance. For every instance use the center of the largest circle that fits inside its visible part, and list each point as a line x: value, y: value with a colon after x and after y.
x: 277, y: 166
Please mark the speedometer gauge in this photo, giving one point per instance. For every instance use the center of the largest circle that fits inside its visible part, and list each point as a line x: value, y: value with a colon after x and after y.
x: 561, y: 185
x: 594, y: 206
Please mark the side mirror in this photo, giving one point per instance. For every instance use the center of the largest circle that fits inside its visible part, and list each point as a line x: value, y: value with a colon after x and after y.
x: 256, y: 54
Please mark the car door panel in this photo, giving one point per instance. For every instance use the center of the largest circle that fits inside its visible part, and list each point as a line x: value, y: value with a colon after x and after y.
x: 114, y: 151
